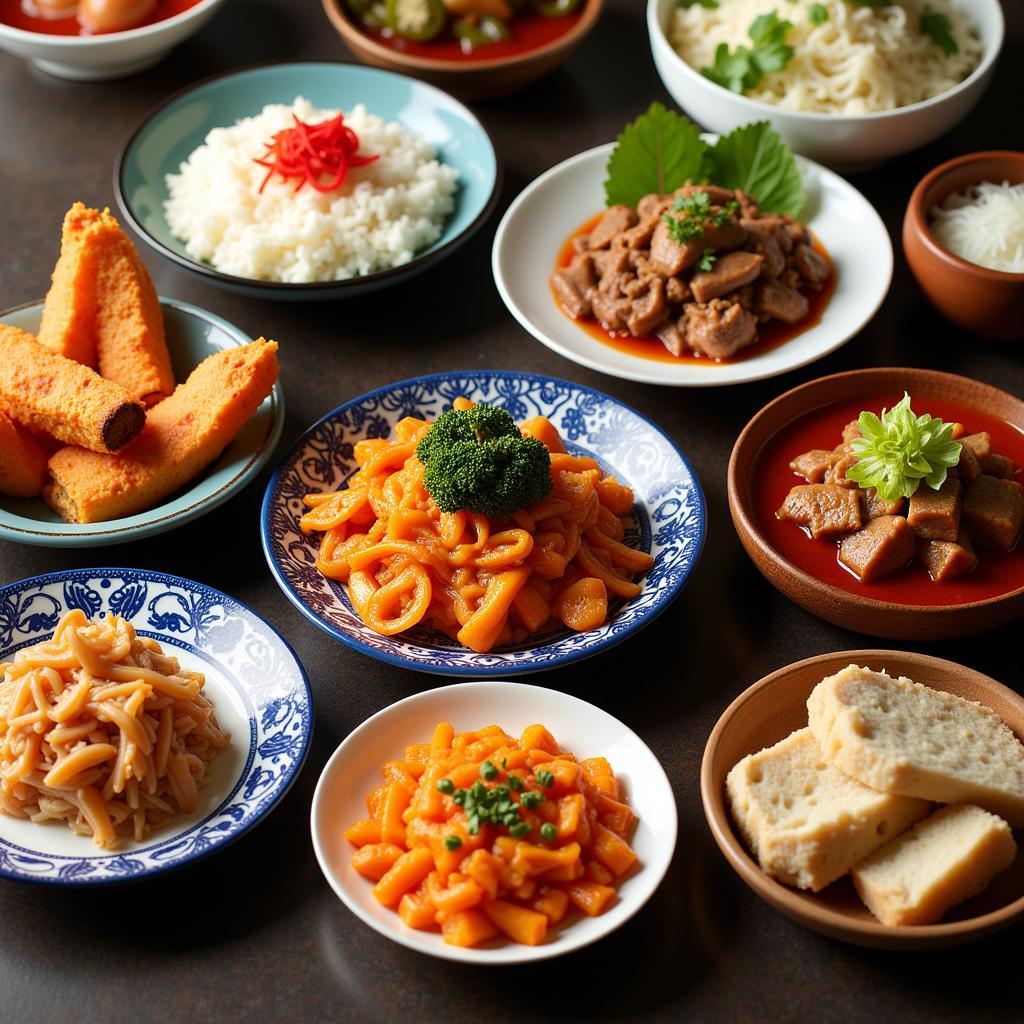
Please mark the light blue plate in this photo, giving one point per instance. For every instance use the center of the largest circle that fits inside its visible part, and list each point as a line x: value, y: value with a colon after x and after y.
x: 192, y: 335
x: 171, y: 132
x: 668, y: 518
x: 256, y: 683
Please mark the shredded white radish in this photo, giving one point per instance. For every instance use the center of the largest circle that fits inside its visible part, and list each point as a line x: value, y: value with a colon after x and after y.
x: 984, y: 225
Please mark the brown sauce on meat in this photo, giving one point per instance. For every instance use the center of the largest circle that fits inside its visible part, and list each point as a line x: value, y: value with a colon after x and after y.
x: 770, y: 336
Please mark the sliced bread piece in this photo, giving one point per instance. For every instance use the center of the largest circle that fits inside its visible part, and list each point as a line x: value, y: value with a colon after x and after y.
x: 806, y: 822
x: 900, y: 737
x: 940, y: 862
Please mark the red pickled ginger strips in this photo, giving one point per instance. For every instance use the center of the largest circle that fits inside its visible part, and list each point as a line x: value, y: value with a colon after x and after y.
x: 320, y: 154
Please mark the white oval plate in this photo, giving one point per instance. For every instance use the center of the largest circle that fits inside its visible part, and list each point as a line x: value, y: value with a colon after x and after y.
x: 354, y: 769
x: 549, y: 210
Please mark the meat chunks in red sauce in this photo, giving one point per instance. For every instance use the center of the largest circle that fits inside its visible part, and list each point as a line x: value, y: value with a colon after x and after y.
x: 698, y: 269
x: 980, y: 503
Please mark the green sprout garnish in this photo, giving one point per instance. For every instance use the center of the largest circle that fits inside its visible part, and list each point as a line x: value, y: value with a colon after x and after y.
x: 899, y: 450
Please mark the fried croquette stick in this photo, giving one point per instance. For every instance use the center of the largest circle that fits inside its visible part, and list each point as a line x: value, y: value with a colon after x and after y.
x: 182, y: 436
x: 49, y: 393
x: 69, y: 312
x: 130, y: 345
x: 23, y: 460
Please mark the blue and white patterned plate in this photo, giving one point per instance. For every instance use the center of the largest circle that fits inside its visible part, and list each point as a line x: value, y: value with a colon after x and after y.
x: 253, y: 677
x: 669, y: 516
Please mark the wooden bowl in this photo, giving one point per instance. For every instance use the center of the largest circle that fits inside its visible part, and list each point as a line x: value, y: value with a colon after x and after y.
x: 776, y: 706
x: 467, y: 79
x: 986, y: 302
x: 855, y: 611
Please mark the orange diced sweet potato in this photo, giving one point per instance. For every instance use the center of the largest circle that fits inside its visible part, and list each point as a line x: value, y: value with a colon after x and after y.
x: 598, y: 772
x: 405, y: 874
x: 366, y: 830
x: 457, y: 896
x: 416, y: 911
x: 617, y: 816
x: 468, y: 928
x: 392, y: 825
x: 590, y: 897
x: 536, y: 737
x: 551, y: 902
x: 518, y: 923
x: 375, y: 860
x: 544, y: 430
x: 595, y: 871
x: 396, y: 771
x: 612, y: 851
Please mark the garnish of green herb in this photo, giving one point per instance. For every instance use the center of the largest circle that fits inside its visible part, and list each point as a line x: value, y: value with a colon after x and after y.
x: 515, y: 783
x: 484, y: 805
x: 544, y: 778
x: 898, y: 450
x: 531, y: 798
x: 661, y: 151
x: 548, y: 832
x: 693, y: 213
x: 489, y: 771
x: 445, y: 785
x: 520, y: 830
x: 707, y: 260
x: 818, y: 13
x: 709, y: 5
x: 742, y: 69
x: 452, y: 842
x: 939, y: 29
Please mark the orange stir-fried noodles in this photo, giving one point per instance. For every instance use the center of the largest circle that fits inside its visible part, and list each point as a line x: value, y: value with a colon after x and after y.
x: 102, y: 730
x: 485, y: 582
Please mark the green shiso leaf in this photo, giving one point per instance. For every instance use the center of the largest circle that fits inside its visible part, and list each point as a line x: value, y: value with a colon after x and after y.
x: 658, y: 152
x: 899, y: 450
x: 753, y: 158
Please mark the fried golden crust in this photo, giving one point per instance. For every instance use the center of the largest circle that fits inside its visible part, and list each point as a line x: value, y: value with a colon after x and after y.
x: 23, y: 459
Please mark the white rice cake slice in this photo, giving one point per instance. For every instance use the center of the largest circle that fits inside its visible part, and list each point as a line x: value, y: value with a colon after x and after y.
x: 806, y: 822
x: 939, y: 863
x: 900, y: 737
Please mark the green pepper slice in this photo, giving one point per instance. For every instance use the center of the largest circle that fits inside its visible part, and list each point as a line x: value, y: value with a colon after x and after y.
x: 555, y: 8
x: 474, y: 31
x: 373, y: 13
x: 416, y: 20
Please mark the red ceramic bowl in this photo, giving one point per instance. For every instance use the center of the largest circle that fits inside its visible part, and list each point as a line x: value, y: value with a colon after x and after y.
x: 985, y: 302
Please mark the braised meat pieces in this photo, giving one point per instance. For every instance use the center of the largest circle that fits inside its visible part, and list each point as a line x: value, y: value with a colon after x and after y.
x: 980, y: 503
x: 698, y: 269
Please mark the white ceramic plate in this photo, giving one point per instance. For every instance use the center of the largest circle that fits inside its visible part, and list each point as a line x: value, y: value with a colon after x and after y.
x: 354, y: 769
x: 553, y: 207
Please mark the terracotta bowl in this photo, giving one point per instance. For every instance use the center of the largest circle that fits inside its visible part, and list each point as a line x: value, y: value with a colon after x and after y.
x: 854, y: 611
x: 467, y: 79
x: 986, y: 302
x: 776, y: 706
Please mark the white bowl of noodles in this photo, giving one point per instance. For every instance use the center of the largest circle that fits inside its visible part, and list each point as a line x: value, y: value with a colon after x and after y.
x: 840, y: 100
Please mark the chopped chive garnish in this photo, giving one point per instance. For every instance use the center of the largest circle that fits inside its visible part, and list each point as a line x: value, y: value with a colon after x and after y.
x: 516, y: 783
x: 531, y: 798
x: 544, y: 777
x: 452, y: 842
x: 519, y: 831
x: 489, y: 771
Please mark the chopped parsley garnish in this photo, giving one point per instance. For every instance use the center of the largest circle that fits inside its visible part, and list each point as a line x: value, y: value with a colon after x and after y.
x: 544, y: 777
x: 818, y: 14
x: 489, y: 771
x: 709, y: 5
x: 452, y: 842
x: 742, y: 69
x: 693, y: 213
x: 515, y: 783
x: 898, y: 450
x: 531, y: 798
x: 939, y: 29
x: 707, y: 260
x: 520, y: 830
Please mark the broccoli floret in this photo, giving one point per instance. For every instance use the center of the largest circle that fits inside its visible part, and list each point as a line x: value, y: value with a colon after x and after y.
x: 477, y: 459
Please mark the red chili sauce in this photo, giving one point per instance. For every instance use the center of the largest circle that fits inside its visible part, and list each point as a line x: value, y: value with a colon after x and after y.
x: 997, y: 572
x: 14, y: 13
x: 530, y: 31
x: 769, y: 336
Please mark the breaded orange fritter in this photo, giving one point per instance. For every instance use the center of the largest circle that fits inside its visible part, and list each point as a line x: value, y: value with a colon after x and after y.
x: 23, y: 461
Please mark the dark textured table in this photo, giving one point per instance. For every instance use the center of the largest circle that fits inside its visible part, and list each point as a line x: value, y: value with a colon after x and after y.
x: 254, y: 932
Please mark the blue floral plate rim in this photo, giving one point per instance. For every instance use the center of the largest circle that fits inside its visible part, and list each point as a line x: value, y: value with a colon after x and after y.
x: 92, y: 869
x: 498, y: 664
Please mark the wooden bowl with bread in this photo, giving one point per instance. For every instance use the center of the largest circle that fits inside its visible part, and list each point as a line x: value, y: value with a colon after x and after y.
x: 773, y: 713
x: 901, y: 568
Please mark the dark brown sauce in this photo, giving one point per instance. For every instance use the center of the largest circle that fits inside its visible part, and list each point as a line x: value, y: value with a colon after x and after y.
x: 770, y: 336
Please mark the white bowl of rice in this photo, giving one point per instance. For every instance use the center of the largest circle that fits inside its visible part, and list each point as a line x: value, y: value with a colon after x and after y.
x: 863, y: 84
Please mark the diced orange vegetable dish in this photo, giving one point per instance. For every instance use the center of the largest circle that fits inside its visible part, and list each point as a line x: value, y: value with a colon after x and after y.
x: 482, y: 835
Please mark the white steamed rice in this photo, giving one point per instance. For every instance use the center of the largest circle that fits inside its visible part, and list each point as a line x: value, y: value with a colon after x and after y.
x: 382, y: 215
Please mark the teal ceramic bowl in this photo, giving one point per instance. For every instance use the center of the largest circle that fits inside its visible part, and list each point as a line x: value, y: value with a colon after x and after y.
x: 172, y: 131
x: 192, y: 335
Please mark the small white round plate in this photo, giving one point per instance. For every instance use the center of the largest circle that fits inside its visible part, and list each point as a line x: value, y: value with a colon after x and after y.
x: 354, y: 769
x: 553, y: 207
